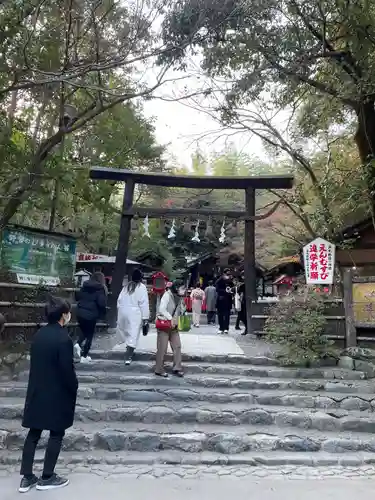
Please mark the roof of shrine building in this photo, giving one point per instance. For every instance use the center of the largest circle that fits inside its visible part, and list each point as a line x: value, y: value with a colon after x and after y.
x: 354, y: 230
x: 190, y: 181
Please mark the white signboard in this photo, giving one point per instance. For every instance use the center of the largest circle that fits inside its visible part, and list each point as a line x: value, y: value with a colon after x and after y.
x: 100, y: 259
x: 33, y: 279
x: 319, y: 261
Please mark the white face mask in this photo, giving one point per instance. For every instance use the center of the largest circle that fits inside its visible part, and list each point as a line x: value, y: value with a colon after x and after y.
x: 66, y: 318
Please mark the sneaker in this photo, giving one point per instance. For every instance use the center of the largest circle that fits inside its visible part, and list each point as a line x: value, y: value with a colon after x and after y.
x: 52, y: 483
x: 219, y: 332
x: 85, y: 360
x: 77, y: 350
x: 129, y: 355
x: 27, y: 484
x: 226, y: 332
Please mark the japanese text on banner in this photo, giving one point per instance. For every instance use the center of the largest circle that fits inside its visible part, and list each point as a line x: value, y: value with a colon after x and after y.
x: 319, y: 256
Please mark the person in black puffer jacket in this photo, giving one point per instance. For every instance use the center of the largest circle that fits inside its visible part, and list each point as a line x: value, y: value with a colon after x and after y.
x: 91, y: 305
x: 224, y: 300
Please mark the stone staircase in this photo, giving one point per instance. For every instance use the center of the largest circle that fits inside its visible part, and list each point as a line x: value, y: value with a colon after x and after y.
x: 228, y: 410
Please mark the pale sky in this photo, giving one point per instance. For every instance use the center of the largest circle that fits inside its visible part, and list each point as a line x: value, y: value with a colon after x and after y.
x: 184, y: 130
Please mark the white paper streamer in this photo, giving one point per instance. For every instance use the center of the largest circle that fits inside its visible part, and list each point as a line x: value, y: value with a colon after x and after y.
x: 146, y: 225
x: 172, y: 231
x: 196, y: 238
x: 222, y: 233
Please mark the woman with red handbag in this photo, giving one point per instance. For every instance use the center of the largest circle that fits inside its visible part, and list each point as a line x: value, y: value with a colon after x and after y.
x: 166, y: 323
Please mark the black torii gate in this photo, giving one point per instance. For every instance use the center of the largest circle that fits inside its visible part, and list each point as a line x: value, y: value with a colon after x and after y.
x: 249, y: 184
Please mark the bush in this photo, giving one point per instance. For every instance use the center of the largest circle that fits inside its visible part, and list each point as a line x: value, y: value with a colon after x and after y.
x: 297, y: 324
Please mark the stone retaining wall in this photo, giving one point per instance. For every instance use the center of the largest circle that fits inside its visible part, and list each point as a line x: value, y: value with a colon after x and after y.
x: 23, y: 308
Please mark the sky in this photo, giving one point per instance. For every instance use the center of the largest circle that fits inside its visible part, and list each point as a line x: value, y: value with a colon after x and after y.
x: 182, y: 127
x: 184, y: 130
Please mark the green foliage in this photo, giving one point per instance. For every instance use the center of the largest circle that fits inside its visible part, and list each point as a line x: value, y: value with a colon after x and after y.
x: 297, y: 324
x: 293, y: 46
x: 91, y: 209
x: 67, y: 84
x: 313, y: 59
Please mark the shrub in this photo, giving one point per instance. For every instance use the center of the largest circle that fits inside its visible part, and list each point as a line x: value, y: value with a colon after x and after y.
x: 297, y: 324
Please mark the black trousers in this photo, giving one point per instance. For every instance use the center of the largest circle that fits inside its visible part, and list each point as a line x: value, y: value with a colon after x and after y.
x: 87, y: 327
x: 241, y: 317
x: 223, y: 315
x: 238, y: 321
x: 211, y: 317
x: 50, y: 457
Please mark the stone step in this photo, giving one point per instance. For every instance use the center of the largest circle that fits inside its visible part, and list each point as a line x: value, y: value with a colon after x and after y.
x: 334, y: 420
x: 239, y: 370
x: 250, y: 459
x: 242, y: 383
x: 228, y: 396
x: 128, y: 436
x: 208, y: 358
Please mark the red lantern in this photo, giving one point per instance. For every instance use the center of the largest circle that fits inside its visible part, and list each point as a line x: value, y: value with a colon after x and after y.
x: 159, y: 281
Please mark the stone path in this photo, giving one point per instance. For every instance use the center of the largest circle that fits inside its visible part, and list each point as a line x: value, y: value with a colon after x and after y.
x: 267, y: 484
x: 236, y: 413
x: 200, y: 341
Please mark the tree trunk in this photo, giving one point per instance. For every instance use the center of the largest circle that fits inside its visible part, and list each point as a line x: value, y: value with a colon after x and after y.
x: 32, y: 180
x: 365, y: 141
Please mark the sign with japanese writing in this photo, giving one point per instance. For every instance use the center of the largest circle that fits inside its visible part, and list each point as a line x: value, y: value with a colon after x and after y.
x: 88, y: 257
x: 319, y: 261
x: 38, y: 257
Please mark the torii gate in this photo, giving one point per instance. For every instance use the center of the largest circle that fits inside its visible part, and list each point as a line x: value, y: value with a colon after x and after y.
x: 249, y: 184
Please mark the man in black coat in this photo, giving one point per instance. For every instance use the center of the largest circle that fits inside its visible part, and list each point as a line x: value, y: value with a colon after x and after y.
x: 51, y: 396
x: 224, y: 300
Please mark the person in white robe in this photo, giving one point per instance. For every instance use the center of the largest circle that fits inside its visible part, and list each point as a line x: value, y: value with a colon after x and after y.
x: 197, y: 297
x: 133, y: 313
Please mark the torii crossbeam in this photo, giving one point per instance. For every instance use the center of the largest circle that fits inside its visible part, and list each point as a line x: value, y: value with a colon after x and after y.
x: 249, y: 184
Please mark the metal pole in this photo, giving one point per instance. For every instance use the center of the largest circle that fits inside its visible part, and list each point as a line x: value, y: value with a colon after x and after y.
x: 119, y: 269
x: 249, y: 257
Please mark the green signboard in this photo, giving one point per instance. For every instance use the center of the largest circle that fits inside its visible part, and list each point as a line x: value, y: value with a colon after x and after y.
x: 37, y: 257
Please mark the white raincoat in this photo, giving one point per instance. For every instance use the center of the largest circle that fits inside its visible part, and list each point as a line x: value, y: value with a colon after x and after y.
x: 132, y: 309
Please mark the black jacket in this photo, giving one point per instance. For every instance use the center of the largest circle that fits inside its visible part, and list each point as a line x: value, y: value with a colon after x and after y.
x: 91, y: 301
x: 52, y: 389
x: 224, y: 299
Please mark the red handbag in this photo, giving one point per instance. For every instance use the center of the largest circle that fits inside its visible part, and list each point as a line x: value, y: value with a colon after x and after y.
x: 163, y: 325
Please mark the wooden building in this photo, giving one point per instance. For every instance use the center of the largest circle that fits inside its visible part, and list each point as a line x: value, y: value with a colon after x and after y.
x: 282, y: 276
x: 359, y: 253
x: 104, y: 263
